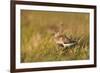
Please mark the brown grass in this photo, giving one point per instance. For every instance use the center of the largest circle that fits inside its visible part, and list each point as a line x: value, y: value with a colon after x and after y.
x: 37, y: 28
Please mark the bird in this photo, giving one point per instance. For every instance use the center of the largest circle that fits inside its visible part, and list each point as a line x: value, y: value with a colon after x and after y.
x: 63, y: 40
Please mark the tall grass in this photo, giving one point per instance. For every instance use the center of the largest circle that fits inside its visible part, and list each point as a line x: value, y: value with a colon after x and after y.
x: 37, y: 28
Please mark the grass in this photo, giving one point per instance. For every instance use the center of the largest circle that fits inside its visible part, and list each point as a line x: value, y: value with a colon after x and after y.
x: 37, y: 28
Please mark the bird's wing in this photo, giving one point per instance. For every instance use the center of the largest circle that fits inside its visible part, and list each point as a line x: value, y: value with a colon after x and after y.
x: 69, y: 44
